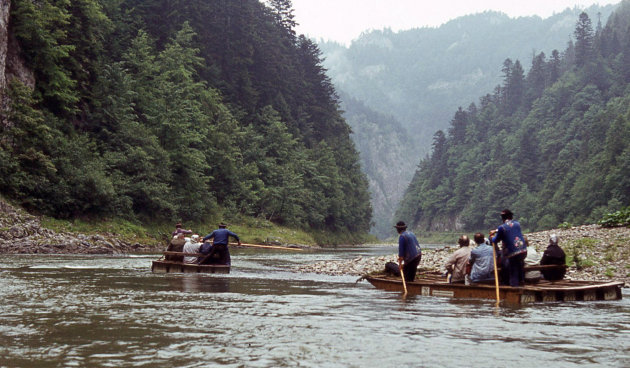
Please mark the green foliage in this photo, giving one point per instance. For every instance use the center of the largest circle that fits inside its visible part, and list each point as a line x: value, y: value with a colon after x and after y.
x: 163, y: 111
x: 565, y: 225
x: 446, y: 69
x: 617, y: 218
x: 47, y: 169
x: 250, y: 230
x: 559, y: 155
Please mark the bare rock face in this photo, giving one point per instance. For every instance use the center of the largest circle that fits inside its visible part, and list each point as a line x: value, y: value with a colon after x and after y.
x: 4, y: 39
x: 11, y: 63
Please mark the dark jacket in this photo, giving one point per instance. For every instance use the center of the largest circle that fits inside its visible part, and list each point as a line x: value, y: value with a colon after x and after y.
x: 553, y: 255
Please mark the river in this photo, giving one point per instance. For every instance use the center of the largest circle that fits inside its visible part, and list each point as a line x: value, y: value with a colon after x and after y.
x: 92, y: 311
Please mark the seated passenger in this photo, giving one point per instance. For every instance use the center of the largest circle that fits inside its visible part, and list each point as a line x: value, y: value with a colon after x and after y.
x: 178, y: 230
x: 176, y: 245
x: 553, y: 255
x: 456, y: 264
x: 532, y: 259
x: 482, y: 264
x: 192, y: 246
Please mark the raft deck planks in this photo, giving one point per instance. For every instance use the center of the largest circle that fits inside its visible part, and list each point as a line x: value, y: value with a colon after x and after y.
x: 544, y: 291
x: 169, y: 266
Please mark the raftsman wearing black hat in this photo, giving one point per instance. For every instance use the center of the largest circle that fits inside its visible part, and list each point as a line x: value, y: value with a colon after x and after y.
x: 400, y: 225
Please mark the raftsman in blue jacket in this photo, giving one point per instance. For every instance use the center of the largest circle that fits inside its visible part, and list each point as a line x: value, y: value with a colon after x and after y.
x: 408, y: 247
x: 220, y: 236
x: 512, y: 237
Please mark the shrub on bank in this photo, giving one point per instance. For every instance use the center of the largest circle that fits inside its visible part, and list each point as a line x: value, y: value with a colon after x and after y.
x: 617, y: 218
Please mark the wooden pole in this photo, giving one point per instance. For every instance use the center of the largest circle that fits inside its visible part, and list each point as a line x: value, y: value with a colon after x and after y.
x: 402, y: 275
x: 496, y: 273
x: 266, y: 246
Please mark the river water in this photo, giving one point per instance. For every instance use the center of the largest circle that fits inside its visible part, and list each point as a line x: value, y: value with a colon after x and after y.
x: 91, y: 311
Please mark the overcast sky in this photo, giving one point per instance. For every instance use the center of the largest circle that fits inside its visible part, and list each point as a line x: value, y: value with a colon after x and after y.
x: 344, y: 20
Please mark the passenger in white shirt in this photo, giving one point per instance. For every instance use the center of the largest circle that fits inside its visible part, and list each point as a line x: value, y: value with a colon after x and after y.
x: 192, y: 246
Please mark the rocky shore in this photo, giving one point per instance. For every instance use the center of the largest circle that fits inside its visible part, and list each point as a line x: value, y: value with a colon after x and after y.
x: 593, y: 253
x: 21, y: 233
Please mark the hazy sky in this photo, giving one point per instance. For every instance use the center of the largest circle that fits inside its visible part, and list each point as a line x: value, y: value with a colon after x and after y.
x: 344, y: 20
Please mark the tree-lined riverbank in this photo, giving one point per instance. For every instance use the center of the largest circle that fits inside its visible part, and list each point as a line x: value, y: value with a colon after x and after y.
x: 23, y: 233
x: 593, y: 252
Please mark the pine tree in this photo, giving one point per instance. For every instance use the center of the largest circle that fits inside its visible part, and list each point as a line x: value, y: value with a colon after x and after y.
x: 536, y: 77
x: 583, y: 40
x: 554, y: 66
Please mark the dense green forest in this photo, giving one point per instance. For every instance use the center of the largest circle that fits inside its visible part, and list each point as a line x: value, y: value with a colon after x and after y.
x: 418, y: 77
x: 552, y: 144
x: 164, y: 110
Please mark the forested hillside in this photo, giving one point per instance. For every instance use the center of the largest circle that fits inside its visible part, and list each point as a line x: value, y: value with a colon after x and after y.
x: 419, y: 76
x: 163, y: 110
x: 552, y: 144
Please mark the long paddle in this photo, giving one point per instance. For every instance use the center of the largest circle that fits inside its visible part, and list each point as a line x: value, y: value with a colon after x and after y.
x: 496, y: 273
x: 266, y: 246
x: 402, y: 275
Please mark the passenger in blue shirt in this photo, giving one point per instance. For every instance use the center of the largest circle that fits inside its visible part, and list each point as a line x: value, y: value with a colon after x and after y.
x: 219, y: 253
x: 481, y: 261
x: 514, y: 249
x: 409, y: 252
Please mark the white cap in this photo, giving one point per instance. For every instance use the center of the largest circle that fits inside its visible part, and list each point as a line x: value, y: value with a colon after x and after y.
x: 195, y: 237
x: 553, y: 238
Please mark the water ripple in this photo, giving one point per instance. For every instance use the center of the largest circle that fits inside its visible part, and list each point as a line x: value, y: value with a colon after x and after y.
x: 112, y: 312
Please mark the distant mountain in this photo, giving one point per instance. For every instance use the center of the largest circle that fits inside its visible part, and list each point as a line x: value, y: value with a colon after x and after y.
x: 552, y: 144
x: 420, y: 77
x: 384, y: 150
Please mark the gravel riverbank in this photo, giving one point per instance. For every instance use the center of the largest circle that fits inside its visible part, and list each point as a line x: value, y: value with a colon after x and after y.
x: 21, y: 233
x: 593, y: 253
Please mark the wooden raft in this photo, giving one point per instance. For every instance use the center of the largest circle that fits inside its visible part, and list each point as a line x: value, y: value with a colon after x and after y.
x: 166, y: 266
x: 543, y: 291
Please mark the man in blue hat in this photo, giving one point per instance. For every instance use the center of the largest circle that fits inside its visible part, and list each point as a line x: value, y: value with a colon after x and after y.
x: 409, y: 252
x: 514, y: 248
x: 219, y: 253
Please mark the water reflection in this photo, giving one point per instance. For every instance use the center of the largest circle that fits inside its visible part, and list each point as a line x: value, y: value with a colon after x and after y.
x: 196, y: 283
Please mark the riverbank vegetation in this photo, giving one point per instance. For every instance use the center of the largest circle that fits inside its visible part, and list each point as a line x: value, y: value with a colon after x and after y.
x: 149, y: 113
x: 251, y: 230
x: 21, y: 232
x: 552, y: 144
x: 156, y: 235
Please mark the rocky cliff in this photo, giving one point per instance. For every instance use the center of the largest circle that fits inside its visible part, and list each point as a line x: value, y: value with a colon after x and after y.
x: 11, y: 63
x: 4, y: 40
